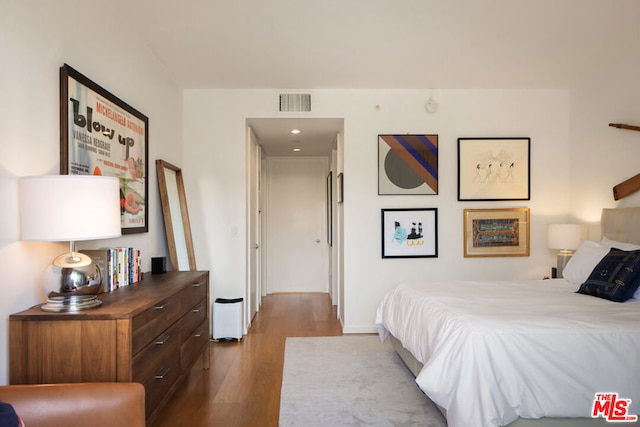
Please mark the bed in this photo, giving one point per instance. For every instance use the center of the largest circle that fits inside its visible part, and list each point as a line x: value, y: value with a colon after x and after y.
x: 526, y: 353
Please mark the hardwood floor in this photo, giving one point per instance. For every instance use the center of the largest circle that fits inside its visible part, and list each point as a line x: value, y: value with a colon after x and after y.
x: 242, y: 387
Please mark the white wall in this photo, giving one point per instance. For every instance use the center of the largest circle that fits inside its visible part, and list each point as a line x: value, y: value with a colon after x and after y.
x: 604, y: 156
x: 215, y: 153
x: 36, y: 38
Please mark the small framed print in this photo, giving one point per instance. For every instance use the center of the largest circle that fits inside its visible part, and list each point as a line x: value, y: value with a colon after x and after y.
x: 410, y: 233
x: 493, y: 169
x: 340, y: 185
x: 496, y: 232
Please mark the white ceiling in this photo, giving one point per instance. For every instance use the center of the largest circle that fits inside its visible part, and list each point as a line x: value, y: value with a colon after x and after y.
x: 385, y: 44
x: 317, y: 137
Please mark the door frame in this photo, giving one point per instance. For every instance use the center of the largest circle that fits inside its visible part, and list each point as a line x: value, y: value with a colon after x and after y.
x: 337, y: 250
x: 253, y: 248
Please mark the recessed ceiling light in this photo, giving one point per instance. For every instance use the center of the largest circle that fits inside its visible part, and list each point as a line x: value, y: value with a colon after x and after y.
x: 296, y: 131
x: 297, y: 149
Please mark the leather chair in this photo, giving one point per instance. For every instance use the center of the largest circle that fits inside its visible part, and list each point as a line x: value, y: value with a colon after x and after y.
x: 77, y: 404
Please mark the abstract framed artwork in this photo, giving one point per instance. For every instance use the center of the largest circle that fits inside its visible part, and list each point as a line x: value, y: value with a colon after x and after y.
x: 407, y: 164
x: 491, y: 169
x: 410, y: 233
x: 102, y: 135
x: 496, y: 232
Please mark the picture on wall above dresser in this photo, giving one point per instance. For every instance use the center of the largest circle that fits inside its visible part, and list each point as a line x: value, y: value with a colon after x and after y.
x: 102, y: 135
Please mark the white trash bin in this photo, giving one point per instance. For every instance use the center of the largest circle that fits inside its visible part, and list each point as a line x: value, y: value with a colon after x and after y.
x: 227, y: 319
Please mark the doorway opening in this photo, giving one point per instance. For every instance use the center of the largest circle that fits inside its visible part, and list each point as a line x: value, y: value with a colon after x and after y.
x: 294, y: 238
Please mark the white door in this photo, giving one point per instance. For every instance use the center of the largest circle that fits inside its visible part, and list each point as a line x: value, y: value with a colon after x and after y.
x: 297, y: 236
x: 253, y: 235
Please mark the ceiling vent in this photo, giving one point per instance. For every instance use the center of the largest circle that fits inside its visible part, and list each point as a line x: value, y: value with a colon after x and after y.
x: 295, y: 103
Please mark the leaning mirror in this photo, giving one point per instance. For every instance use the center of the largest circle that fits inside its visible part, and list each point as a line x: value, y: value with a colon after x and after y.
x: 176, y: 216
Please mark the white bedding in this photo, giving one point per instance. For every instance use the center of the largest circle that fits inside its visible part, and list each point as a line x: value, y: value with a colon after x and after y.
x: 496, y: 351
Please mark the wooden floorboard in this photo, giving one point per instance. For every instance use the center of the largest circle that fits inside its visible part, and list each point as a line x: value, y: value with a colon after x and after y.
x: 242, y: 386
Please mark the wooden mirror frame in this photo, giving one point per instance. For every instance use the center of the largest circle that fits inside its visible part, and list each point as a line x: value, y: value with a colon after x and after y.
x: 176, y: 216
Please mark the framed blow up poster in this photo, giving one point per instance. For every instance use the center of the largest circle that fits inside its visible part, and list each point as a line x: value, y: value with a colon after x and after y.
x: 102, y: 135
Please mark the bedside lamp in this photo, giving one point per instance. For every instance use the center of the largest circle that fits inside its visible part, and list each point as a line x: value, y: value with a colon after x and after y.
x: 567, y: 238
x: 69, y: 208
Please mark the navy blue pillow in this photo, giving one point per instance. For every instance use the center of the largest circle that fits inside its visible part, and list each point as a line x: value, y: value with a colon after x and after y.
x: 616, y: 277
x: 8, y: 417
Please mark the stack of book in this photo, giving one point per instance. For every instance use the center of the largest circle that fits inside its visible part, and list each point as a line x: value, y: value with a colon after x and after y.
x: 119, y: 266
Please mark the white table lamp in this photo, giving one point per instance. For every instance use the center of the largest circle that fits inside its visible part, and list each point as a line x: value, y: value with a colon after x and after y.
x: 69, y: 208
x: 567, y: 238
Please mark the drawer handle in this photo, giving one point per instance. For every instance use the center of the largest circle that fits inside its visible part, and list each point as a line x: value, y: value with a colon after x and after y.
x: 162, y: 374
x: 195, y: 310
x: 197, y: 285
x: 198, y: 334
x: 163, y: 340
x: 159, y: 307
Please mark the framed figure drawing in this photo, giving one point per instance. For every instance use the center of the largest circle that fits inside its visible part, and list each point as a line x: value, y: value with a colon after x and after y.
x: 493, y: 169
x: 496, y: 232
x: 407, y: 164
x: 102, y: 135
x: 410, y: 233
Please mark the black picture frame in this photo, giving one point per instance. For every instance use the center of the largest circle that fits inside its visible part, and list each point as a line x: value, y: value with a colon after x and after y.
x: 102, y: 135
x: 340, y: 187
x: 409, y: 233
x: 494, y: 169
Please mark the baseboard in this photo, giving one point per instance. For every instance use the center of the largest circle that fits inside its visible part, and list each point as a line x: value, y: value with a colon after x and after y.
x: 359, y: 330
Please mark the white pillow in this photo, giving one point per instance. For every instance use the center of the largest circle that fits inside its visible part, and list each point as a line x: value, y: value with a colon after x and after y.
x: 582, y: 263
x: 618, y: 245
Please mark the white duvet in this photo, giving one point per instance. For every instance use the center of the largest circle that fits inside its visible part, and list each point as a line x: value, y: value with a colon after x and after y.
x: 496, y: 351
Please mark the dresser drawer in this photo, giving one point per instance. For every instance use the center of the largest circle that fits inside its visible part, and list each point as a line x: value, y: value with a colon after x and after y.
x: 157, y: 356
x: 194, y: 344
x: 157, y: 386
x: 192, y: 319
x: 150, y: 323
x: 193, y: 294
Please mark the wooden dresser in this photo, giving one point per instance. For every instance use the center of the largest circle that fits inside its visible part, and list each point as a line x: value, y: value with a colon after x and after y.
x: 151, y: 332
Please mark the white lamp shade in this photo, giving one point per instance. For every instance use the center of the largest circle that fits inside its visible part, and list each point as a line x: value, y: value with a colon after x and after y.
x: 69, y: 207
x: 566, y: 236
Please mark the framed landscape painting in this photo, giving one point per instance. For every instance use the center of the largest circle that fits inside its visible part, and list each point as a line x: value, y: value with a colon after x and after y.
x: 410, y: 233
x: 493, y: 169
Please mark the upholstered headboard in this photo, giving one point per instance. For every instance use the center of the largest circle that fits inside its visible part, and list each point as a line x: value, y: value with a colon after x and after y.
x: 622, y: 225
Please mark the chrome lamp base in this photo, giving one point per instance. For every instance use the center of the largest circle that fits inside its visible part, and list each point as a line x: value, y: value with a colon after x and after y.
x: 72, y: 303
x: 71, y: 283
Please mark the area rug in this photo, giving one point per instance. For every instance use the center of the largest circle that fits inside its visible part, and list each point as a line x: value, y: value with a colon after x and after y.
x: 352, y: 380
